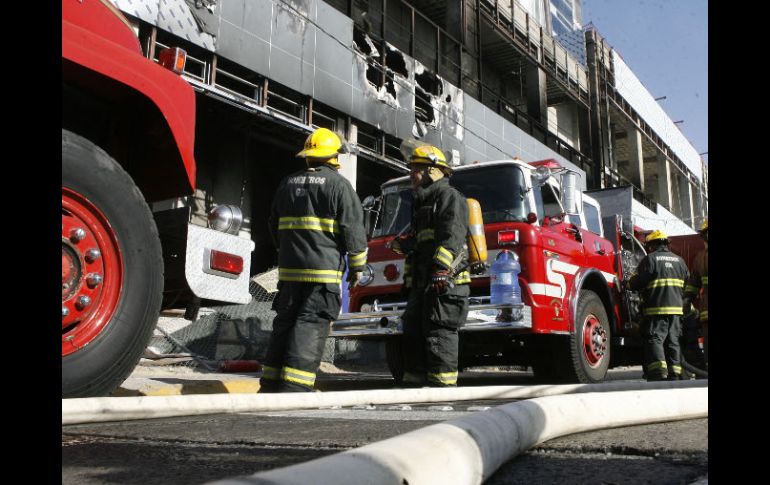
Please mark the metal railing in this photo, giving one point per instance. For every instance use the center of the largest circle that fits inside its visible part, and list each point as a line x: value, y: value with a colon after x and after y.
x: 222, y: 76
x: 512, y: 18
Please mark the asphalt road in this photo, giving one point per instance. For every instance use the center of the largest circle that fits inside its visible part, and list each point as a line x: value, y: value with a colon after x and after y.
x: 188, y: 450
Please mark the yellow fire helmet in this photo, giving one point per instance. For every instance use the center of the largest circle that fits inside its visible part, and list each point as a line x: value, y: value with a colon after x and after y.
x: 656, y: 235
x: 429, y: 155
x: 322, y: 143
x: 704, y: 226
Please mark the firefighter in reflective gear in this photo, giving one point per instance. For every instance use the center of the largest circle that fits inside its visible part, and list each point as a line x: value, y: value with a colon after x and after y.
x: 697, y: 288
x: 436, y: 275
x: 316, y: 218
x: 660, y: 277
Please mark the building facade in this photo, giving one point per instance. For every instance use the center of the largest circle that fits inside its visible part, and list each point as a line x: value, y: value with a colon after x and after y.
x: 482, y: 79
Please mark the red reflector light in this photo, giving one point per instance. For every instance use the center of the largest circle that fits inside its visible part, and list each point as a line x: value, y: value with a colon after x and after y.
x: 391, y: 272
x: 507, y: 238
x: 226, y: 262
x: 173, y: 58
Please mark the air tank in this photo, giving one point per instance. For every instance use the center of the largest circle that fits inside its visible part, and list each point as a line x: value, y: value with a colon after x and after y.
x: 477, y: 242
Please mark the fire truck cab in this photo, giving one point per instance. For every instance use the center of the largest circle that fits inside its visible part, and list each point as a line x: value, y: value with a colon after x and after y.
x: 572, y: 260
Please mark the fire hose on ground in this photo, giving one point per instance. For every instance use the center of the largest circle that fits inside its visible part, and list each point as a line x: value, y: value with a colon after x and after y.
x: 100, y: 409
x: 469, y: 449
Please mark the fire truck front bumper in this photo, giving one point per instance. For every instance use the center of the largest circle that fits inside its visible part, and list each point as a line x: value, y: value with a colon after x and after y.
x: 385, y: 319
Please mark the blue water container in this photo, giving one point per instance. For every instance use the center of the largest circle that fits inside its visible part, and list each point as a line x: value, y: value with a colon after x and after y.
x: 504, y: 279
x: 344, y: 293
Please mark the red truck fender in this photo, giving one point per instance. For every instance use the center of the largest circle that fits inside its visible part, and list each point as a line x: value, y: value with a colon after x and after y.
x: 596, y: 281
x: 173, y: 96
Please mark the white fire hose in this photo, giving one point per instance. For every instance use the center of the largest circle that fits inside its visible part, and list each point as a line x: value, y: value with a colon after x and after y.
x: 98, y: 409
x: 468, y: 450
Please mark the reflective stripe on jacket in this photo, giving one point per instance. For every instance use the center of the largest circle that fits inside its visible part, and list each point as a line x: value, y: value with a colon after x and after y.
x: 316, y: 218
x: 660, y: 277
x: 440, y: 224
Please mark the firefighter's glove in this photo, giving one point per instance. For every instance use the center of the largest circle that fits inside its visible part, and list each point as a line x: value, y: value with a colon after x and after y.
x: 440, y: 281
x: 395, y: 246
x: 687, y: 307
x: 401, y: 244
x: 354, y: 277
x: 478, y: 268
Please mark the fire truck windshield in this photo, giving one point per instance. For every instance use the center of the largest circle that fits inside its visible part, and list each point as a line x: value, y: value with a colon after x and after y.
x: 499, y: 189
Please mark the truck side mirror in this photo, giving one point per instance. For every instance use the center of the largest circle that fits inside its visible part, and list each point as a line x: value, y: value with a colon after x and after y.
x: 371, y: 214
x: 569, y: 192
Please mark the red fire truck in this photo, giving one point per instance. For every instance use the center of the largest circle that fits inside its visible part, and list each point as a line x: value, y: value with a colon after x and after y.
x: 576, y: 319
x: 128, y: 127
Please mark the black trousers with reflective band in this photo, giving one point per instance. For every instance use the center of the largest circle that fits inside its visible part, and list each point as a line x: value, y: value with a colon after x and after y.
x: 300, y: 329
x: 430, y: 337
x: 662, y: 355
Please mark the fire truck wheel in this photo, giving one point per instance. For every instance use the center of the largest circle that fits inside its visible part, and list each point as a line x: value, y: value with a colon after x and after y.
x: 112, y: 271
x: 590, y: 342
x: 394, y: 356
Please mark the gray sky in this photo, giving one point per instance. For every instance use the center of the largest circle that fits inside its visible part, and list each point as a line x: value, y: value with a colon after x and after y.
x: 665, y: 43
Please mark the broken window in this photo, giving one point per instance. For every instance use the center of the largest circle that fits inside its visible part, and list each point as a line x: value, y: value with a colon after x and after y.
x: 427, y: 85
x: 423, y: 110
x: 396, y: 62
x: 364, y: 44
x: 390, y: 86
x: 374, y: 74
x: 429, y: 82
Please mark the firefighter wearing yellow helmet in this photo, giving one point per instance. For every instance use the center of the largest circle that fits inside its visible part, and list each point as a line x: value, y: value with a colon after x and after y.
x: 436, y: 278
x: 660, y: 278
x: 316, y: 218
x: 697, y: 289
x: 322, y: 146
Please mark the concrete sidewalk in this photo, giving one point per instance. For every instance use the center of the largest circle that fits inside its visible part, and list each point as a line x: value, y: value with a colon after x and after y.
x: 171, y: 380
x: 165, y: 378
x: 153, y: 379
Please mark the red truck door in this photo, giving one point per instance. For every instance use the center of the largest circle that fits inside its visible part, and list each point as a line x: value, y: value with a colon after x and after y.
x: 563, y: 256
x: 599, y: 251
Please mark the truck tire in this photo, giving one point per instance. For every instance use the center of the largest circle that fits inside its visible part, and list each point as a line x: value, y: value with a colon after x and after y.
x: 112, y: 271
x: 590, y: 342
x: 394, y: 355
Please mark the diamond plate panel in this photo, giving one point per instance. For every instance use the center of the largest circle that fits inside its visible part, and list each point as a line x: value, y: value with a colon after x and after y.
x: 146, y: 10
x: 175, y: 17
x: 210, y: 286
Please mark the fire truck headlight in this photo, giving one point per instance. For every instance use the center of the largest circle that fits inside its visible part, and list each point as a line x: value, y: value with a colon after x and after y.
x: 367, y: 277
x: 226, y: 218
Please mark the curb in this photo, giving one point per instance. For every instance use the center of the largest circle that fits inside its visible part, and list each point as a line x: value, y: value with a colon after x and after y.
x: 159, y: 387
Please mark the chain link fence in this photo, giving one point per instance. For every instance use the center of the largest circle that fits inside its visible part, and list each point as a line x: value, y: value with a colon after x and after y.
x: 228, y: 333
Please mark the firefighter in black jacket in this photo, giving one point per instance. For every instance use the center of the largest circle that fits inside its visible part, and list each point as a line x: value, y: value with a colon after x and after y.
x: 315, y: 219
x: 660, y: 277
x: 435, y: 273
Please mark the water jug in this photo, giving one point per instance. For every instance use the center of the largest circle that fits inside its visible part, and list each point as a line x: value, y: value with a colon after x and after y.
x: 504, y: 279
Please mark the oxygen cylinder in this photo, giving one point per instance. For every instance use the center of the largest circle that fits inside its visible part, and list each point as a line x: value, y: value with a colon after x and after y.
x: 477, y: 242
